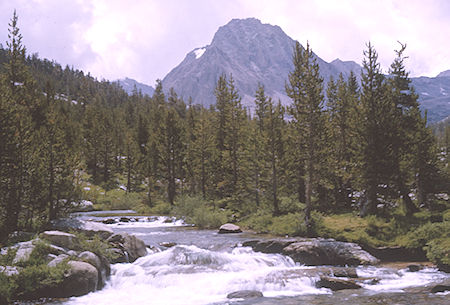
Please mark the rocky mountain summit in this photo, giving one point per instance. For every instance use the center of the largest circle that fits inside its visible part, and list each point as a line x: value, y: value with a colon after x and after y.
x: 252, y: 52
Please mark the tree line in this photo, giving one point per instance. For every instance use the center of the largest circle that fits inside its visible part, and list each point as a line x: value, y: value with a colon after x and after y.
x: 341, y: 146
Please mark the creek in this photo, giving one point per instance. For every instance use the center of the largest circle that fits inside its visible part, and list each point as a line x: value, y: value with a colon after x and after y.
x: 202, y: 267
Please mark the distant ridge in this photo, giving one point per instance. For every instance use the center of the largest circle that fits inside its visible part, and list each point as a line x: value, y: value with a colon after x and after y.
x: 129, y: 85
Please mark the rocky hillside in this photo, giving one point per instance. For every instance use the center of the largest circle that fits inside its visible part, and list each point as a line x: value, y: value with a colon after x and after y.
x: 434, y: 95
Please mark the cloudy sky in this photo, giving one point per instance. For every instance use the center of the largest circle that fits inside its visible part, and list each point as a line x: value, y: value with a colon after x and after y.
x: 145, y: 39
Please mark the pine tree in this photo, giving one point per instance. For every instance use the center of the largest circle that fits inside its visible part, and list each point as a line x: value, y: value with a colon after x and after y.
x: 305, y: 89
x: 205, y: 154
x: 376, y: 113
x: 404, y: 100
x: 19, y: 98
x: 276, y: 150
x: 172, y: 148
x: 342, y: 109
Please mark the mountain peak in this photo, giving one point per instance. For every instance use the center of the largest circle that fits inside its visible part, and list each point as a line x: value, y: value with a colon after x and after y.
x: 253, y: 52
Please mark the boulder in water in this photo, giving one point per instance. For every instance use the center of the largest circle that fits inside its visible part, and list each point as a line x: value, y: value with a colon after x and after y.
x: 414, y: 268
x: 315, y: 251
x: 328, y: 252
x: 109, y: 221
x: 101, y: 264
x: 440, y: 288
x: 245, y: 294
x: 229, y: 228
x: 132, y: 245
x: 336, y: 284
x: 268, y: 246
x: 167, y: 244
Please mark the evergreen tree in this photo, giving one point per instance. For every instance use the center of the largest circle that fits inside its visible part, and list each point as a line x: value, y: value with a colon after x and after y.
x: 305, y: 89
x: 276, y: 150
x: 404, y: 100
x: 172, y: 148
x: 19, y: 98
x: 376, y: 112
x: 342, y: 109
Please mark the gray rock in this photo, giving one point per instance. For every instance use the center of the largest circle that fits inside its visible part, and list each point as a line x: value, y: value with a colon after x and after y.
x: 91, y: 258
x: 269, y: 246
x: 167, y: 244
x: 118, y: 256
x: 61, y: 239
x: 315, y: 251
x: 83, y: 206
x: 328, y: 252
x: 72, y: 253
x: 133, y: 246
x: 57, y: 260
x: 90, y: 228
x: 414, y: 268
x: 24, y: 250
x: 440, y: 288
x: 9, y: 270
x: 57, y: 250
x: 229, y: 228
x: 81, y: 279
x: 245, y: 294
x: 102, y: 266
x: 336, y: 284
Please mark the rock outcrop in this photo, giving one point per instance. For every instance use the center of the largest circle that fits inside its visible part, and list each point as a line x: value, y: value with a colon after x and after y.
x: 316, y: 251
x: 245, y: 294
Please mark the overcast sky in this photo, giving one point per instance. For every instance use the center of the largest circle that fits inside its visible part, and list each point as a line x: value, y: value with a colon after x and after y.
x: 145, y: 39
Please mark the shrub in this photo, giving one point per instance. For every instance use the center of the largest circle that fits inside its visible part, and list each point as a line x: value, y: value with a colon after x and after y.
x: 7, y: 259
x: 161, y: 208
x: 206, y: 217
x: 419, y: 237
x: 438, y: 251
x: 290, y: 224
x: 35, y: 278
x: 119, y: 200
x: 95, y: 245
x: 39, y: 254
x: 289, y: 205
x: 7, y: 288
x: 260, y: 222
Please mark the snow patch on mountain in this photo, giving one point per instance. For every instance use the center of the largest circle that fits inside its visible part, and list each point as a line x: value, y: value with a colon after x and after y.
x: 199, y: 52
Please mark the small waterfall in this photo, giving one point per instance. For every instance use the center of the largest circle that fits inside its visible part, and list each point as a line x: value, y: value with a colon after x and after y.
x: 189, y: 275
